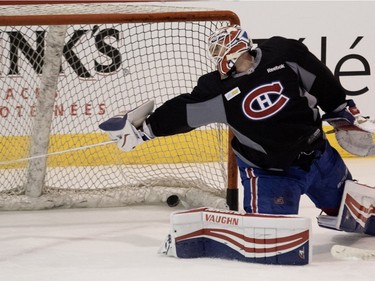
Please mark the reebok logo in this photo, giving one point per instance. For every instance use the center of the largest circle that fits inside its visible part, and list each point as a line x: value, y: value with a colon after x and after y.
x: 277, y: 67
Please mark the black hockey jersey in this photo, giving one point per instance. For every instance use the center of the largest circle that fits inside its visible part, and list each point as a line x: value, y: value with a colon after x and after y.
x: 272, y: 109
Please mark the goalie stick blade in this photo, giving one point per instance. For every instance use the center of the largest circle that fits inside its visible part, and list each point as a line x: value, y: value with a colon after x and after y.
x: 351, y: 253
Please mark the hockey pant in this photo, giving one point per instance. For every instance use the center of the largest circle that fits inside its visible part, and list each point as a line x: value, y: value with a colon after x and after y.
x: 279, y: 192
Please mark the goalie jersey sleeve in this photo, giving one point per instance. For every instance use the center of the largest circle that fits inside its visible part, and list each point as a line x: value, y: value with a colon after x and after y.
x: 272, y: 109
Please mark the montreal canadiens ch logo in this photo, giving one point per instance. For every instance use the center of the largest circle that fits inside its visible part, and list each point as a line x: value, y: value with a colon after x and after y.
x: 264, y: 101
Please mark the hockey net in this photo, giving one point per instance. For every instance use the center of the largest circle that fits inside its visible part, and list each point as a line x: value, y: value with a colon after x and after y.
x: 67, y: 68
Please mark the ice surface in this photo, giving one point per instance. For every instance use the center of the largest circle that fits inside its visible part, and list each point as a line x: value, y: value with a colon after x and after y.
x: 122, y: 243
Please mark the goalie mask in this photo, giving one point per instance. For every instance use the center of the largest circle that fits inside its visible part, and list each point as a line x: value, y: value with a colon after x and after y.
x: 225, y: 47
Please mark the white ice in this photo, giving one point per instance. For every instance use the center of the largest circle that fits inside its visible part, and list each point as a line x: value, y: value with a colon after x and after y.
x: 121, y: 244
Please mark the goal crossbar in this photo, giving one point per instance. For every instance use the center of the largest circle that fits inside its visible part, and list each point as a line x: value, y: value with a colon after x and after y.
x: 18, y: 17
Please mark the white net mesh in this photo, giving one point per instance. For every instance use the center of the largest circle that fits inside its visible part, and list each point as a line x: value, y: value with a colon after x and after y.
x: 107, y: 68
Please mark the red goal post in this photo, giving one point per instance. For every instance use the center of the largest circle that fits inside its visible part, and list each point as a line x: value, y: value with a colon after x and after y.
x: 56, y: 89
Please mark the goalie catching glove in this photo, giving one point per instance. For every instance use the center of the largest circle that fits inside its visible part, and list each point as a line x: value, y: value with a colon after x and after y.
x: 129, y: 129
x: 348, y: 118
x: 354, y: 132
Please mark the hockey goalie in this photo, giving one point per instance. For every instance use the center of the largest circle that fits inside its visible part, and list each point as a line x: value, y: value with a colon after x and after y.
x: 271, y: 97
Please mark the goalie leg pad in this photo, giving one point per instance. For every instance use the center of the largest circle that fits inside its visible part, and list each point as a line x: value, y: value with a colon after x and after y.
x: 251, y: 238
x: 357, y: 211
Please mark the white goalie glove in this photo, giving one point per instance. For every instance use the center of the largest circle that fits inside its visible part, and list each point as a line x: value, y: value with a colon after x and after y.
x: 354, y: 132
x: 129, y: 129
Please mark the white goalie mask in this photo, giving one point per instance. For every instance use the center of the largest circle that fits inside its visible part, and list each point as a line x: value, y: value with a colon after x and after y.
x: 226, y: 45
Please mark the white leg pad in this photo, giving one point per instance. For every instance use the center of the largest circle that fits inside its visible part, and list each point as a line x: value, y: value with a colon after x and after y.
x: 256, y: 238
x: 357, y: 210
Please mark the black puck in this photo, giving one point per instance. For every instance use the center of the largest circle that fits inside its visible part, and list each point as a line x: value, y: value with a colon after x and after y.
x: 173, y: 201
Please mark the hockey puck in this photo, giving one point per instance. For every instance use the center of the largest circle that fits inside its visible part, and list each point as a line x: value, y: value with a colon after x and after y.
x: 173, y: 201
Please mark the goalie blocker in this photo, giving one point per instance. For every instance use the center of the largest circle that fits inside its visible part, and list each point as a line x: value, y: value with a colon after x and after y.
x: 128, y: 129
x: 357, y: 211
x: 255, y: 238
